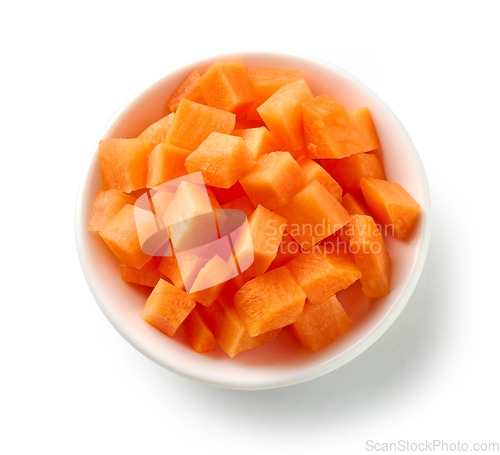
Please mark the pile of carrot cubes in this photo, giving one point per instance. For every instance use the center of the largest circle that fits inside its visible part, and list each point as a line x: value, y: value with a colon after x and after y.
x: 307, y: 173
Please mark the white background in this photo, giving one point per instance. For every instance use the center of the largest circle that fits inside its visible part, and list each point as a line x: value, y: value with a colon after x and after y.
x: 69, y: 384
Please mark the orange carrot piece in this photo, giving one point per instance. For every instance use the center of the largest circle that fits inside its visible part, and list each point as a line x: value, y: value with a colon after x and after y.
x: 321, y: 324
x: 322, y: 275
x: 273, y: 180
x: 363, y: 124
x: 391, y: 204
x: 266, y: 82
x: 194, y: 122
x: 328, y: 129
x: 313, y: 214
x: 167, y: 307
x: 226, y: 86
x: 123, y: 232
x: 165, y: 163
x: 282, y: 114
x: 355, y: 205
x: 222, y: 159
x: 371, y: 256
x: 198, y: 333
x: 269, y: 301
x: 148, y: 275
x: 259, y: 140
x: 124, y: 163
x: 106, y: 205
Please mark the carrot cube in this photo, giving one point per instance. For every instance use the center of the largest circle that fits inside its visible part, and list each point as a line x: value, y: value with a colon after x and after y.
x: 148, y: 275
x: 194, y: 122
x: 313, y: 214
x: 313, y: 171
x: 259, y: 140
x: 391, y: 204
x: 124, y: 163
x: 262, y: 240
x: 321, y: 276
x: 363, y: 124
x: 266, y: 82
x: 349, y: 171
x: 328, y: 129
x: 165, y: 163
x: 314, y: 275
x: 321, y: 324
x: 123, y: 232
x: 184, y: 90
x: 273, y: 180
x: 199, y: 335
x: 226, y: 86
x: 167, y: 307
x: 157, y: 132
x: 269, y: 301
x: 355, y: 205
x: 106, y: 205
x: 228, y: 329
x: 222, y: 159
x: 371, y: 256
x: 282, y: 114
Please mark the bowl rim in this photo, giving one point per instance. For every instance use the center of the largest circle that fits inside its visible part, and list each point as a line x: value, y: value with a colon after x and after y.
x: 328, y: 366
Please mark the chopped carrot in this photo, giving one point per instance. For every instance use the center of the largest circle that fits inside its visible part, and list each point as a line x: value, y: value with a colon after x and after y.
x: 391, y: 204
x: 273, y: 180
x: 328, y: 129
x: 194, y: 122
x: 226, y: 86
x: 282, y: 114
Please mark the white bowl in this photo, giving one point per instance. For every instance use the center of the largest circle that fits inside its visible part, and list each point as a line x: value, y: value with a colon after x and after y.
x: 282, y: 362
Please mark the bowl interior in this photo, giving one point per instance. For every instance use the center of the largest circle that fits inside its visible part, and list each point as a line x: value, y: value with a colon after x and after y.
x: 282, y: 362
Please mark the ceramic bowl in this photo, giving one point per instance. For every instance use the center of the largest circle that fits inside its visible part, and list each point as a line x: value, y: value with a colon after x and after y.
x: 282, y: 362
